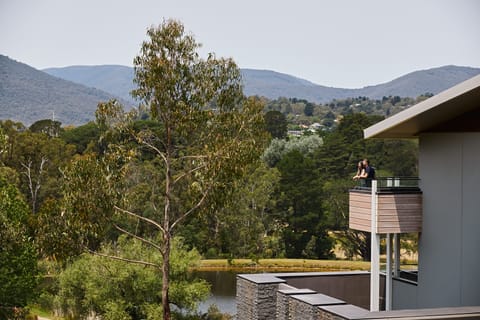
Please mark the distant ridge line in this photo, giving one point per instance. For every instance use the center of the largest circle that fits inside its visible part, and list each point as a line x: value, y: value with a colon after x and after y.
x: 117, y: 80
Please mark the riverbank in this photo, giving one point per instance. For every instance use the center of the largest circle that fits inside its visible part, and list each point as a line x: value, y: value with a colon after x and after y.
x: 286, y: 265
x: 280, y: 265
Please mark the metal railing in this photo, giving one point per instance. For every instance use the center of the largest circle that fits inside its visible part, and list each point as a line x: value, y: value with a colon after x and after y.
x: 390, y: 184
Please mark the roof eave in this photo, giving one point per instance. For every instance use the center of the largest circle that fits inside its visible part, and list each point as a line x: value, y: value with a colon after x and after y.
x: 410, y: 122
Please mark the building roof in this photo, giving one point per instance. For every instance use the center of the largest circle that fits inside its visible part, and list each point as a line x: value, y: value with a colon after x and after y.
x: 455, y: 109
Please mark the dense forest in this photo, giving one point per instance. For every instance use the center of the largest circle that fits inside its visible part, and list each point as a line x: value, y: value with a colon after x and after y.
x: 145, y: 194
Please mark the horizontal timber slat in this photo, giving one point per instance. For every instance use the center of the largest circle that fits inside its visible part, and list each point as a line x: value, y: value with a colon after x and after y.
x: 396, y: 224
x: 399, y: 206
x: 360, y: 210
x: 404, y: 212
x: 415, y: 219
x: 360, y: 221
x: 361, y: 197
x: 396, y: 199
x: 384, y: 230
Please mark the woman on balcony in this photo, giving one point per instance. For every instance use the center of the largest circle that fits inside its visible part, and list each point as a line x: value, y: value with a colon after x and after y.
x: 360, y: 173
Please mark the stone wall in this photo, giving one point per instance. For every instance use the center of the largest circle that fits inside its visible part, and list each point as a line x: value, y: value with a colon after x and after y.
x: 283, y: 300
x: 307, y: 306
x: 257, y: 296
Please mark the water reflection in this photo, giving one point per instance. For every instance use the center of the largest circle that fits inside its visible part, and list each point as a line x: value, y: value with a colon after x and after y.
x: 223, y: 290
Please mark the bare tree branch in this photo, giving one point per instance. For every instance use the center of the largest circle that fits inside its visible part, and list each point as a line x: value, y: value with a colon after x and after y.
x: 192, y: 157
x: 156, y: 224
x: 151, y: 146
x: 34, y: 189
x: 195, y: 207
x: 143, y: 263
x: 188, y: 172
x: 150, y: 243
x: 28, y: 173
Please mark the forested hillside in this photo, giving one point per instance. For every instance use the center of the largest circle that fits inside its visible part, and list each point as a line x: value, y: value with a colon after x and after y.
x: 117, y: 80
x: 28, y: 95
x: 273, y: 85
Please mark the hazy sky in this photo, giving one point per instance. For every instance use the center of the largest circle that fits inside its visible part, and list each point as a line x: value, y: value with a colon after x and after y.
x: 341, y: 43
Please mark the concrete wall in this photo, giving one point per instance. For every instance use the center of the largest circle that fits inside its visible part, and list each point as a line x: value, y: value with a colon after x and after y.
x: 353, y: 288
x: 404, y: 295
x: 449, y: 246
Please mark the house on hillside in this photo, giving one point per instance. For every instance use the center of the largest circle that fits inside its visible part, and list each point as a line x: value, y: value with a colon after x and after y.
x: 442, y: 205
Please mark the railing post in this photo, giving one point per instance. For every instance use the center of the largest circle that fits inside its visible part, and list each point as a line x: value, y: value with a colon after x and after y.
x: 375, y: 254
x: 388, y: 272
x: 396, y: 182
x: 396, y: 240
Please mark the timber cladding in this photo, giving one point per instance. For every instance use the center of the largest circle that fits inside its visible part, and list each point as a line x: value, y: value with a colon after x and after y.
x: 360, y: 211
x: 397, y: 212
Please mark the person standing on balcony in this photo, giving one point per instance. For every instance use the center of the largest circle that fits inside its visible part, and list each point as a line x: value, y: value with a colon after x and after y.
x: 360, y: 172
x: 368, y: 174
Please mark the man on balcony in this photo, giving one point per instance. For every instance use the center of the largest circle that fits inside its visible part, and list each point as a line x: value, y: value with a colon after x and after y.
x: 368, y: 174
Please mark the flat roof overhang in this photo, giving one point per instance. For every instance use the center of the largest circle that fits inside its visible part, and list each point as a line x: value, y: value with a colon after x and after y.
x: 431, y: 113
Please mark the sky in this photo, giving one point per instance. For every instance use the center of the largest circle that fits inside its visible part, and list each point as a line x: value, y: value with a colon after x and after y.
x: 339, y: 43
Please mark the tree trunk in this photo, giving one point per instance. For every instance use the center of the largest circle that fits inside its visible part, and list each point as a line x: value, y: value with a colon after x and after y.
x: 166, y: 277
x: 167, y: 236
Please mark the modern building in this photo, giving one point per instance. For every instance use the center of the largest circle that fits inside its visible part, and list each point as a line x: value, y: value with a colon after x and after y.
x: 447, y: 127
x: 444, y: 208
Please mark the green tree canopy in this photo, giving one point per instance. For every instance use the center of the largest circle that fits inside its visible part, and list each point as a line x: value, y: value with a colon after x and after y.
x: 82, y: 137
x: 306, y: 145
x: 299, y: 206
x: 276, y: 124
x: 49, y: 127
x: 116, y: 290
x: 308, y: 109
x: 18, y: 260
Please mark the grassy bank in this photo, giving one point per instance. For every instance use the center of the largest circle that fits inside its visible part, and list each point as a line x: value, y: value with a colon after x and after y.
x: 281, y: 265
x: 287, y: 265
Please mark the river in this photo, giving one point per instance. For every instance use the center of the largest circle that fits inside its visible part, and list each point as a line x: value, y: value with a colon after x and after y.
x: 223, y: 290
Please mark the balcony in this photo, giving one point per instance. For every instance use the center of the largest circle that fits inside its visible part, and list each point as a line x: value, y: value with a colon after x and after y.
x: 398, y: 202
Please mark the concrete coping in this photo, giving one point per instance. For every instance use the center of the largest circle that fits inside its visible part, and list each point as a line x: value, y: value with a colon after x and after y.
x: 290, y: 292
x: 284, y: 286
x: 430, y: 313
x: 261, y: 278
x: 318, y: 299
x: 319, y: 273
x: 347, y: 311
x: 352, y: 312
x: 280, y: 277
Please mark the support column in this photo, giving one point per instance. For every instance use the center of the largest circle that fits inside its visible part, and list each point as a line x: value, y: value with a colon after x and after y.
x: 388, y: 273
x: 396, y: 239
x: 375, y: 254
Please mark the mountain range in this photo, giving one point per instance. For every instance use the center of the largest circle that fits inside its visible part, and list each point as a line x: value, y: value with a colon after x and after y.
x: 72, y: 93
x: 118, y: 81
